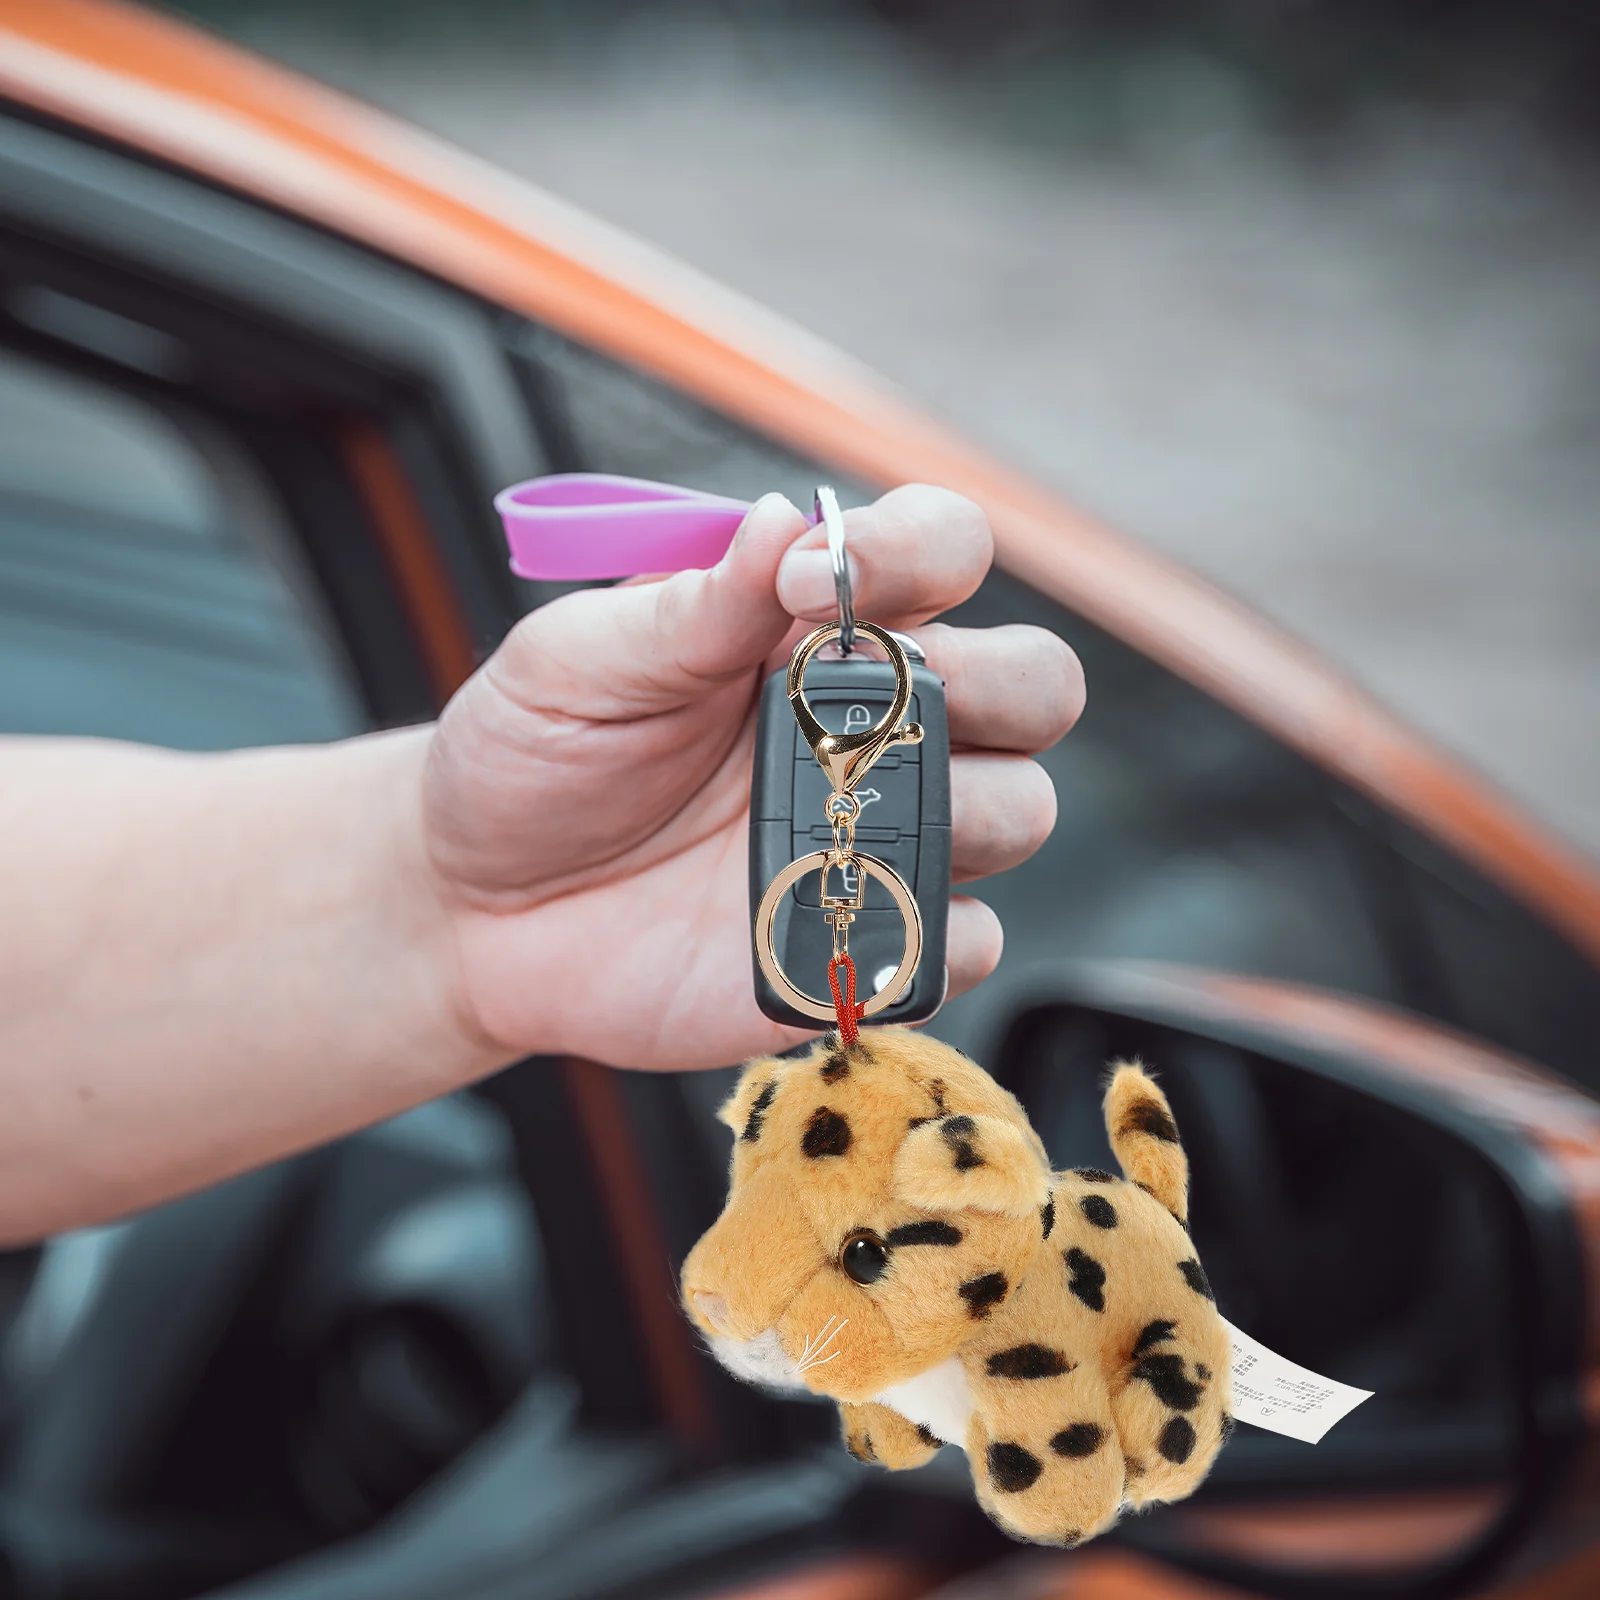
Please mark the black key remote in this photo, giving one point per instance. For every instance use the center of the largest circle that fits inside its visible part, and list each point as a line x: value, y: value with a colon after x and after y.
x: 904, y: 821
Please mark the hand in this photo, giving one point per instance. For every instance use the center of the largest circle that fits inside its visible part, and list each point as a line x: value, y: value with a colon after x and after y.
x: 586, y: 794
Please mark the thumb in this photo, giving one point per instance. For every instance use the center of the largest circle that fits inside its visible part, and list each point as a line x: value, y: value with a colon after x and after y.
x: 640, y: 649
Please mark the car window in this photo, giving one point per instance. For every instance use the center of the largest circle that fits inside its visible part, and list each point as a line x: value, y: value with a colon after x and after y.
x: 147, y: 588
x: 597, y: 415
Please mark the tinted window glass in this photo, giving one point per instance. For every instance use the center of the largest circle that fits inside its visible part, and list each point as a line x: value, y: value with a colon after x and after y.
x: 599, y: 416
x: 146, y: 588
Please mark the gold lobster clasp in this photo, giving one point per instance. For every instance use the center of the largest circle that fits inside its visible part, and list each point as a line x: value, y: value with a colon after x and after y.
x: 847, y: 757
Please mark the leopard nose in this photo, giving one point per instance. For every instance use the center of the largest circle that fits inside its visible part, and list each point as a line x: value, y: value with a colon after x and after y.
x: 713, y: 1308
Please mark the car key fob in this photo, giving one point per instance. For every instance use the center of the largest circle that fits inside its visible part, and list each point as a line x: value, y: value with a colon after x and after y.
x: 904, y: 821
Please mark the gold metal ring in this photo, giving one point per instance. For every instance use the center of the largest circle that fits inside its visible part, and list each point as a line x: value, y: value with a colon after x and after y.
x: 767, y: 913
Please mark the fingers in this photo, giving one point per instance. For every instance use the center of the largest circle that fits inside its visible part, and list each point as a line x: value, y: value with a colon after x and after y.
x: 1008, y: 688
x: 973, y: 944
x: 639, y: 649
x: 916, y: 552
x: 1002, y: 809
x: 723, y: 621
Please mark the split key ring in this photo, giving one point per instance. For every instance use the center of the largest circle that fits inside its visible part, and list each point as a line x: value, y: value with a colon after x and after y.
x: 832, y: 518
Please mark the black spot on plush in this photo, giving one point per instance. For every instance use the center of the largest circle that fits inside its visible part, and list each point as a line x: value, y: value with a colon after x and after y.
x: 758, y: 1110
x: 1177, y: 1441
x: 984, y: 1294
x: 1047, y: 1216
x: 1092, y: 1175
x: 1013, y: 1469
x: 958, y: 1132
x: 1150, y: 1116
x: 928, y: 1436
x: 1195, y: 1276
x: 1153, y: 1333
x: 1088, y: 1279
x: 1172, y: 1385
x: 1072, y: 1538
x: 827, y: 1134
x: 1028, y: 1361
x: 922, y: 1233
x: 1098, y: 1210
x: 837, y: 1066
x: 1228, y: 1425
x: 1077, y: 1440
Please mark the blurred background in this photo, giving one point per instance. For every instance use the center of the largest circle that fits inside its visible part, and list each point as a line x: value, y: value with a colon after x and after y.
x: 1301, y: 293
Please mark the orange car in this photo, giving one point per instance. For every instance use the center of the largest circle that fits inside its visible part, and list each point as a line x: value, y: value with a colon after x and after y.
x: 265, y: 356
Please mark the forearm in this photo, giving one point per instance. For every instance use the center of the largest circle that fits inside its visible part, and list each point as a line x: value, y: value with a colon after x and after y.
x: 207, y: 962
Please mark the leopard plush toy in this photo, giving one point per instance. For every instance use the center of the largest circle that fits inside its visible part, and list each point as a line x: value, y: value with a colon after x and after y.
x: 894, y: 1239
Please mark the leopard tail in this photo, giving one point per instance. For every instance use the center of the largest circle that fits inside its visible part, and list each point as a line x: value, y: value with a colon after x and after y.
x: 1145, y: 1137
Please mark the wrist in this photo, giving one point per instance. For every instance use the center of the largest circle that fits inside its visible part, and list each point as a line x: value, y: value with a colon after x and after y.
x: 418, y: 915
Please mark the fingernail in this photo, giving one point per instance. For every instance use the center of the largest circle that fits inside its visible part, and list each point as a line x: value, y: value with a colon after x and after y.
x: 770, y: 508
x: 805, y: 583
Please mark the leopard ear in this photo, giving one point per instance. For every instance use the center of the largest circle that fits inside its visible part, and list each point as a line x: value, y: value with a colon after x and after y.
x: 971, y: 1163
x: 744, y: 1109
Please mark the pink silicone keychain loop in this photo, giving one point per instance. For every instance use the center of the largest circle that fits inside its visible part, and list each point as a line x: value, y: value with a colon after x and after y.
x: 575, y: 525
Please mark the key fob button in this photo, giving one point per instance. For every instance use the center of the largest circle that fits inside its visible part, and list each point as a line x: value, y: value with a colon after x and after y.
x: 890, y: 801
x: 851, y: 711
x: 901, y: 854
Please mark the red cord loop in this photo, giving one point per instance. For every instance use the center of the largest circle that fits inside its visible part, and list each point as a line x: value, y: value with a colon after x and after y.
x: 845, y: 1007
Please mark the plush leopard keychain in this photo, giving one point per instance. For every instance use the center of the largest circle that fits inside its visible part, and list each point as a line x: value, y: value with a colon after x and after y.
x: 894, y: 1237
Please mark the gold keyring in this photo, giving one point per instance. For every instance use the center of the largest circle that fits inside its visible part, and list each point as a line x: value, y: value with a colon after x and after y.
x: 767, y: 913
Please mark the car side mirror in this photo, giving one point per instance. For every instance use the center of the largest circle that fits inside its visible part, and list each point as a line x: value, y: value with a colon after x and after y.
x: 1379, y: 1200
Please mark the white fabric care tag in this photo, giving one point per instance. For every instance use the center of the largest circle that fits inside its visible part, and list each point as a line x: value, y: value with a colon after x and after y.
x: 1272, y: 1393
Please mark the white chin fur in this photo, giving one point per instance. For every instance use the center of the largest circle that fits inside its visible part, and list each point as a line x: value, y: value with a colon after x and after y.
x: 760, y: 1360
x: 939, y: 1399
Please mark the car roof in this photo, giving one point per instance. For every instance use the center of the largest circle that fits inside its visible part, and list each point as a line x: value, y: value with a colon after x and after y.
x: 180, y: 96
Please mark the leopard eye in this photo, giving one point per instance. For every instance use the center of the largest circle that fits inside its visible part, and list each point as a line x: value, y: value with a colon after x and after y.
x: 864, y: 1257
